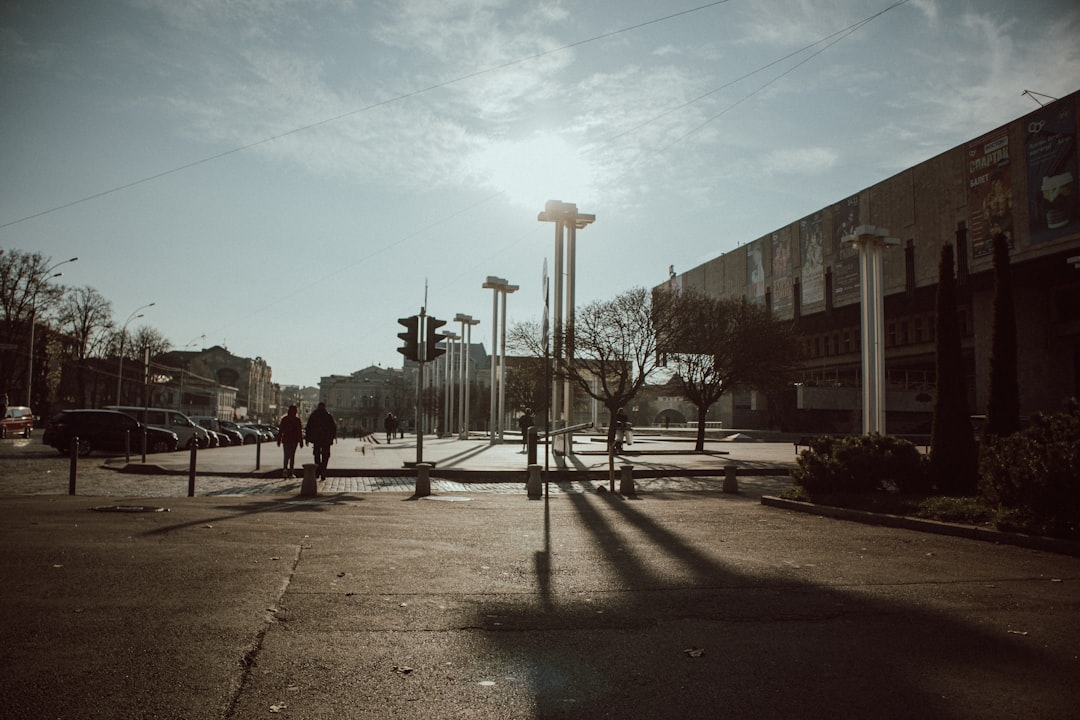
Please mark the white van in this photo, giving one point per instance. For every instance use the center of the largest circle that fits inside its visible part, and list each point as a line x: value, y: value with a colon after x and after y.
x: 174, y: 420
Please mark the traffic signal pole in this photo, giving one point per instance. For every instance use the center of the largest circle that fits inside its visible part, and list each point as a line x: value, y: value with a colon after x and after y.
x: 421, y: 345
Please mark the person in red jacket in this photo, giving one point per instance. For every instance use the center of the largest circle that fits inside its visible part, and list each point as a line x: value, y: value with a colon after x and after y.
x: 290, y: 434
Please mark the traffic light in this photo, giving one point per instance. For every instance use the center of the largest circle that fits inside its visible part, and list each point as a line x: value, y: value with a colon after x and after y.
x: 433, y: 338
x: 411, y: 336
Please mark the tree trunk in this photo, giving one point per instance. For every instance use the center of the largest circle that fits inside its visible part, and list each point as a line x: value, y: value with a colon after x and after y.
x: 702, y: 412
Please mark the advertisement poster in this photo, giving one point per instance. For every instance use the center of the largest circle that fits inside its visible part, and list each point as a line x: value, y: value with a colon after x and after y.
x: 783, y: 302
x: 813, y: 262
x: 990, y: 191
x: 755, y: 272
x: 846, y: 262
x: 1051, y: 160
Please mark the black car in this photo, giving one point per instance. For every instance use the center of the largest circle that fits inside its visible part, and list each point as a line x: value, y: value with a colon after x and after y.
x: 105, y: 431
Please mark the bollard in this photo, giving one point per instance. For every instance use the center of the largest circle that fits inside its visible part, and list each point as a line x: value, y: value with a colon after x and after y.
x: 74, y: 465
x: 626, y: 481
x: 309, y: 487
x: 531, y: 444
x: 191, y: 469
x: 423, y: 482
x: 731, y: 484
x: 258, y: 452
x: 532, y: 484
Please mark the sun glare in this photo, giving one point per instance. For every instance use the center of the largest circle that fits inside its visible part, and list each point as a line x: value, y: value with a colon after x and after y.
x: 531, y: 171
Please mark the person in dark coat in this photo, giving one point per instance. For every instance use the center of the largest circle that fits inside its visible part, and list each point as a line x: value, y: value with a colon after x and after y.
x: 525, y: 422
x: 390, y: 425
x: 290, y: 434
x: 321, y: 433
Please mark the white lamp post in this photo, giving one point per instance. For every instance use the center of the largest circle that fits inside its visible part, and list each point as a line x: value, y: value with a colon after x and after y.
x: 123, y: 335
x: 871, y: 242
x: 498, y: 285
x: 564, y: 215
x: 466, y: 335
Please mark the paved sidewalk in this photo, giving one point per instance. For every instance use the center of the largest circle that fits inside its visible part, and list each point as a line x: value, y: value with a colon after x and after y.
x: 469, y: 459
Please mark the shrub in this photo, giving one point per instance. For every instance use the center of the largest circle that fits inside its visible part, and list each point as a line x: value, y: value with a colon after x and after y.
x: 1033, y: 477
x: 860, y: 464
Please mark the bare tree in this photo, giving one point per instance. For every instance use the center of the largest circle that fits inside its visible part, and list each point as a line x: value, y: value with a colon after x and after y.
x: 86, y: 316
x: 617, y: 346
x: 719, y: 343
x: 147, y: 337
x: 26, y: 291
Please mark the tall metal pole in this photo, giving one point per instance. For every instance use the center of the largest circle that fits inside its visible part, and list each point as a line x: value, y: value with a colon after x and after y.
x: 495, y: 284
x: 568, y: 385
x: 557, y: 329
x: 871, y: 242
x: 123, y: 336
x: 467, y: 391
x: 506, y: 290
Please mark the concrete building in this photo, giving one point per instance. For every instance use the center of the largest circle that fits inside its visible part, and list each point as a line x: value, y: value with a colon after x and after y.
x: 1020, y: 180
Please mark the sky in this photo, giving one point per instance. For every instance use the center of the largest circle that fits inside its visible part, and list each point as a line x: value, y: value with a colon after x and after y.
x: 287, y: 178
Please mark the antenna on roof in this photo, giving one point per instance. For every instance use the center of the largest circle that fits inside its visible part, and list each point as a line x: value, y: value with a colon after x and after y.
x: 1031, y: 94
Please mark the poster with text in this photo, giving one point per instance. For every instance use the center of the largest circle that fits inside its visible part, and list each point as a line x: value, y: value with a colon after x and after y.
x: 812, y: 285
x: 845, y: 256
x: 1053, y: 199
x: 755, y: 272
x: 990, y: 191
x: 783, y: 303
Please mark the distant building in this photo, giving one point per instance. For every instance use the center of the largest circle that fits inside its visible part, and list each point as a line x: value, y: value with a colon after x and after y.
x: 215, y: 382
x: 360, y: 401
x: 1020, y: 180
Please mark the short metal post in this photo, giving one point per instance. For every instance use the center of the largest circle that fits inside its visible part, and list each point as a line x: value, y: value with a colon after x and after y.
x: 127, y: 446
x: 309, y: 487
x: 530, y: 439
x: 532, y: 483
x: 191, y: 468
x: 73, y: 466
x: 258, y: 451
x: 144, y: 445
x: 731, y: 483
x: 626, y: 481
x: 423, y: 481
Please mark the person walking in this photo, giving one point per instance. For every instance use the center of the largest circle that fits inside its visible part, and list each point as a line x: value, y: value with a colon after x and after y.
x: 321, y: 433
x: 290, y: 434
x: 525, y: 422
x: 389, y: 425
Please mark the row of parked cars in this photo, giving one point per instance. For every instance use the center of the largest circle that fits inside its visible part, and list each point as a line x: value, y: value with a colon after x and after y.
x: 117, y: 428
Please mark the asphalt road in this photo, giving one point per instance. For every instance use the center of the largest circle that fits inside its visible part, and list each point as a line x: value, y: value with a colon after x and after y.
x: 490, y: 605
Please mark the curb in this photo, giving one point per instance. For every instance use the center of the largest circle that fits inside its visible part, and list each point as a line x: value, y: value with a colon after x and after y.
x: 969, y: 532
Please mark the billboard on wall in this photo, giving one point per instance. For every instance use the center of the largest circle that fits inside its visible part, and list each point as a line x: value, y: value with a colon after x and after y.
x: 1053, y: 200
x: 755, y: 272
x: 845, y: 255
x: 990, y: 191
x: 812, y: 285
x: 783, y: 303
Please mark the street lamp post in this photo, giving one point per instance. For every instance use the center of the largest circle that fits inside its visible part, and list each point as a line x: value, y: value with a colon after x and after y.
x: 871, y: 242
x: 44, y: 277
x: 502, y: 360
x: 498, y: 285
x: 466, y: 334
x: 565, y: 216
x: 123, y: 335
x: 448, y: 407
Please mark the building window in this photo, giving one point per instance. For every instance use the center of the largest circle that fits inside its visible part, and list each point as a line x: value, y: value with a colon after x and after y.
x: 890, y: 339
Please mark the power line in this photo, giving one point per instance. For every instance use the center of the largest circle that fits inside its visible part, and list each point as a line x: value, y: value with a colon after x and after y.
x: 367, y: 108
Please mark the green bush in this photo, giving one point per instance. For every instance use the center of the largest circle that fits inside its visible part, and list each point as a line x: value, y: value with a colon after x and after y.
x: 860, y: 464
x: 1032, y: 477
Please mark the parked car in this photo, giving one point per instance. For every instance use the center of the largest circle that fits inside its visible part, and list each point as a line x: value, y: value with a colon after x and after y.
x: 17, y: 421
x: 105, y: 431
x: 248, y: 434
x: 208, y: 423
x: 172, y: 420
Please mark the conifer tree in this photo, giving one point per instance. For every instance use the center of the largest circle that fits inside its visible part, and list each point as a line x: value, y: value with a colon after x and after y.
x: 1003, y: 410
x: 953, y: 455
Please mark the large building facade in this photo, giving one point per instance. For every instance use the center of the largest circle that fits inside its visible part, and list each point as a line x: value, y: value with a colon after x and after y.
x: 1020, y: 180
